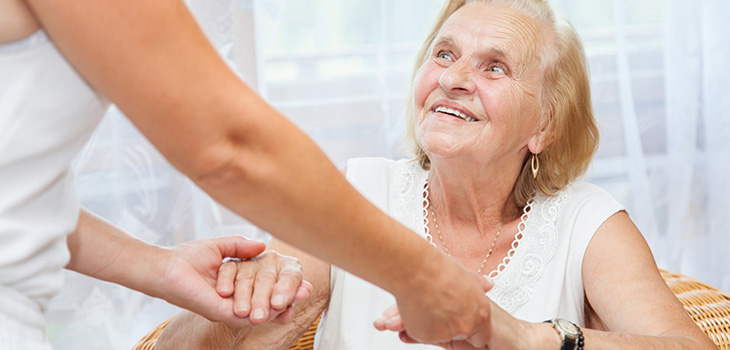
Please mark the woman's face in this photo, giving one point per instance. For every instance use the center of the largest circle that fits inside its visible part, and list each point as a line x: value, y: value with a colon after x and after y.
x: 475, y: 97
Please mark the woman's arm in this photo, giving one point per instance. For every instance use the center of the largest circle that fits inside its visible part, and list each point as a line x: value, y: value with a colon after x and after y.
x: 632, y: 306
x: 630, y: 298
x: 152, y: 60
x: 190, y: 331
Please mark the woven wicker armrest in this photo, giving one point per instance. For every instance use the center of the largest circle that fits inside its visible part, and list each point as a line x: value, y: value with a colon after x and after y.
x: 708, y: 306
x: 306, y: 342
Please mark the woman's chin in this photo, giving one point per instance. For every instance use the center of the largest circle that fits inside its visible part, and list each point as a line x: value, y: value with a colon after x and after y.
x: 445, y: 152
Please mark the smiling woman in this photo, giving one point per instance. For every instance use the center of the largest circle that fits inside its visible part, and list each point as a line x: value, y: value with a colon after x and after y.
x: 544, y: 65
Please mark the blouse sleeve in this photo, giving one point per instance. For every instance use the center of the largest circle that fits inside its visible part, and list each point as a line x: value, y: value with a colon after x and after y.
x: 588, y: 208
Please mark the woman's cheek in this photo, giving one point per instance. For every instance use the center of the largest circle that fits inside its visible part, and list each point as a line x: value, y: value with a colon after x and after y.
x: 425, y: 82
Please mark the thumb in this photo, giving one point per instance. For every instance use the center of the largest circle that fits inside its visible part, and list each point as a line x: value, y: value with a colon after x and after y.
x: 303, y: 291
x: 487, y: 283
x: 238, y: 247
x: 392, y: 314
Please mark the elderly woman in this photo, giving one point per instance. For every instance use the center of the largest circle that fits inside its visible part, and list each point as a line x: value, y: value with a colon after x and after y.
x: 502, y: 124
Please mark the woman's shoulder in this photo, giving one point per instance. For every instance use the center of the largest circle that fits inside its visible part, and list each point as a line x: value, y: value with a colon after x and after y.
x: 587, y: 201
x: 581, y: 191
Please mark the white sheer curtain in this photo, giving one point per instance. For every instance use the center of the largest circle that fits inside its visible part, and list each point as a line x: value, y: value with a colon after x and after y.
x: 340, y: 69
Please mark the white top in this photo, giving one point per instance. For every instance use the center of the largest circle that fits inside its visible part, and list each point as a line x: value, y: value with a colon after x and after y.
x: 539, y: 279
x: 47, y: 113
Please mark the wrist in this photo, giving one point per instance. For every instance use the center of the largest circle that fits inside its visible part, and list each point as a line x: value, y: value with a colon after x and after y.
x: 149, y: 274
x: 544, y: 337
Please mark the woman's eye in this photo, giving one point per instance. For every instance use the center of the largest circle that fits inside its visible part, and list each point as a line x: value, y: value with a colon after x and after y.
x: 495, y: 69
x: 445, y: 55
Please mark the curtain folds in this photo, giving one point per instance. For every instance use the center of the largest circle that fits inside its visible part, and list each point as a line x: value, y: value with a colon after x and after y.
x: 340, y: 70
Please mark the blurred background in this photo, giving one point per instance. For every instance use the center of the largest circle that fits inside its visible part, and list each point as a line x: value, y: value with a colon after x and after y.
x: 340, y: 70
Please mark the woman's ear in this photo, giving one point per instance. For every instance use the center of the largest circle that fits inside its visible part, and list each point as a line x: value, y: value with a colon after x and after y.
x: 538, y: 141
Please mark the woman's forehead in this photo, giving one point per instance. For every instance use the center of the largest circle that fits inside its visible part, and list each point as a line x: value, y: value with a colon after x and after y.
x: 492, y: 29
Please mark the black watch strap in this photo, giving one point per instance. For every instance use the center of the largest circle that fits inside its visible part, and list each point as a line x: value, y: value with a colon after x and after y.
x: 570, y: 334
x: 569, y: 344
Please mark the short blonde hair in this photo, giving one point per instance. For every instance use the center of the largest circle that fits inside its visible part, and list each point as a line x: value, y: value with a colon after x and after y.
x: 564, y: 99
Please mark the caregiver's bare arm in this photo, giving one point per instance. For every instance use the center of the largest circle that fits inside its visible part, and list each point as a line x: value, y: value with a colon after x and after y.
x: 184, y: 275
x: 153, y: 61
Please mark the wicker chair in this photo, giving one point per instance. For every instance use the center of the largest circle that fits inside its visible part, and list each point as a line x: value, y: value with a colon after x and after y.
x: 709, y: 307
x: 306, y: 342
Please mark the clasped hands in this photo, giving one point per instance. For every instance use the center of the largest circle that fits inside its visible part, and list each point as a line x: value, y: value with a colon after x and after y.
x: 251, y: 291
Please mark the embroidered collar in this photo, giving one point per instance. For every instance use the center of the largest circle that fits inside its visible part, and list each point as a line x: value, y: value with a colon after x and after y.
x: 533, y: 246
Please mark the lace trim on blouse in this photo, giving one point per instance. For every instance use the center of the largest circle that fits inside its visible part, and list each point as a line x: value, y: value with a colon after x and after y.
x: 532, y: 248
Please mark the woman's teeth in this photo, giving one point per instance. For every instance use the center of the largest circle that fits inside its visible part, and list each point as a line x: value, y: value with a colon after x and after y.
x: 453, y: 112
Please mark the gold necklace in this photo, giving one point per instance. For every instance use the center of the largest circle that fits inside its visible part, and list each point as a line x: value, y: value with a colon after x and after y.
x: 441, y: 238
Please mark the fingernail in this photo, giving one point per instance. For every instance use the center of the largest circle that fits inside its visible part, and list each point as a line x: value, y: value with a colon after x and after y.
x: 489, y: 279
x: 394, y: 320
x: 278, y: 301
x: 380, y: 319
x: 258, y: 314
x: 243, y: 310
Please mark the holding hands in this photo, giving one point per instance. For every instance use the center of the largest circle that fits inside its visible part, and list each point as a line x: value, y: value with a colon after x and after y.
x: 191, y: 275
x: 500, y: 331
x: 263, y: 288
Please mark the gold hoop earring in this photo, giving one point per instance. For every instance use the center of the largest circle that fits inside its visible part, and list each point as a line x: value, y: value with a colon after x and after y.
x: 534, y: 165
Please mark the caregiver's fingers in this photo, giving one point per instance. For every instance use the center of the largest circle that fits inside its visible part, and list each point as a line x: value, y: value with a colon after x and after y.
x: 405, y: 338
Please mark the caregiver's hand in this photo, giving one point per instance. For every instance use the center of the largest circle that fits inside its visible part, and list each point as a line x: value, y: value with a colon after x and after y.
x: 190, y: 273
x: 264, y: 288
x: 505, y: 332
x: 469, y: 325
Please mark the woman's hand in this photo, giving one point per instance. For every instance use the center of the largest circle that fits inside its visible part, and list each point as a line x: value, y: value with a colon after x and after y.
x: 191, y: 331
x: 264, y: 288
x: 195, y: 279
x: 391, y: 321
x: 503, y: 330
x: 188, y: 273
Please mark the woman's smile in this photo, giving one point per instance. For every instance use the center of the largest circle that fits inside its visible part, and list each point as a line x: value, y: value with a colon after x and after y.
x: 452, y: 110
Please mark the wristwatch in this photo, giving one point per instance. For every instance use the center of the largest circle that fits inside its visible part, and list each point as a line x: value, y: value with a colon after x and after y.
x: 570, y: 334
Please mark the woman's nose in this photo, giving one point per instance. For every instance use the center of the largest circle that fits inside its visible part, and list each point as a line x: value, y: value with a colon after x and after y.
x: 457, y: 78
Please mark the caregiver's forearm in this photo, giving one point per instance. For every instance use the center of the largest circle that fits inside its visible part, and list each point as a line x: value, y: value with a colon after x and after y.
x: 152, y: 60
x: 101, y: 250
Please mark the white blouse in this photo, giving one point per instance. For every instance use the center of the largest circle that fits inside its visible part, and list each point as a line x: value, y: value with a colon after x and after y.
x: 539, y: 279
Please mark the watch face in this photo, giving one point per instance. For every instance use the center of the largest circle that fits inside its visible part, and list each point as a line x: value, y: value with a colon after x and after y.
x: 567, y: 327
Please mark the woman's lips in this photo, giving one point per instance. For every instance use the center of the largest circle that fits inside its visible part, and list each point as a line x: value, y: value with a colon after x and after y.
x: 455, y: 112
